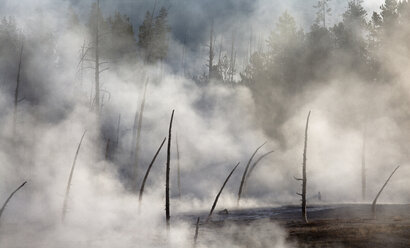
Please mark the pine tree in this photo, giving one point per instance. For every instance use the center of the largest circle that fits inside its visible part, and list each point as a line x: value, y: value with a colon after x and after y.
x: 153, y: 36
x: 122, y: 39
x: 323, y: 10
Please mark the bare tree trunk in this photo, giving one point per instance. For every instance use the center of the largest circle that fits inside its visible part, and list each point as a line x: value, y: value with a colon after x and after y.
x: 253, y: 167
x: 167, y: 207
x: 211, y: 52
x: 304, y: 181
x: 245, y: 172
x: 8, y: 199
x: 97, y: 64
x: 179, y: 169
x: 364, y: 168
x: 107, y: 150
x: 16, y: 92
x: 304, y: 178
x: 148, y: 170
x: 67, y: 192
x: 250, y: 44
x: 231, y: 71
x: 118, y: 131
x: 378, y: 194
x: 196, y: 231
x: 138, y: 138
x: 219, y: 193
x: 81, y: 64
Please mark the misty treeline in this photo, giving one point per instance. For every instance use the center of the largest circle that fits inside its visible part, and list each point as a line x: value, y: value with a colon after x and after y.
x: 360, y: 47
x: 109, y: 43
x: 292, y: 59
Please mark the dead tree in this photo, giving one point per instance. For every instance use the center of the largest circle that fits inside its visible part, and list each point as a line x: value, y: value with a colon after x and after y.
x: 304, y: 179
x: 138, y: 137
x: 196, y: 231
x: 97, y: 61
x: 148, y: 170
x: 67, y: 192
x: 8, y: 199
x: 167, y: 208
x: 364, y: 168
x: 232, y: 61
x: 178, y: 168
x: 378, y: 194
x: 253, y: 167
x: 245, y: 172
x: 98, y: 64
x: 211, y: 52
x: 107, y: 150
x: 118, y: 131
x: 256, y: 163
x: 219, y: 193
x: 16, y: 92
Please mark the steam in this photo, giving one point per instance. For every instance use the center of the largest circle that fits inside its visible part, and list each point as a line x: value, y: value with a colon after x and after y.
x: 216, y: 125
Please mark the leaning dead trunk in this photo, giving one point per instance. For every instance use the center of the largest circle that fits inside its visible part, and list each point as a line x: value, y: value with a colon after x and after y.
x: 67, y: 192
x: 253, y: 168
x: 16, y: 92
x: 219, y: 193
x: 245, y: 172
x: 256, y: 163
x: 138, y: 138
x: 378, y: 194
x: 148, y: 170
x: 8, y: 199
x: 196, y: 231
x: 167, y: 209
x: 304, y: 178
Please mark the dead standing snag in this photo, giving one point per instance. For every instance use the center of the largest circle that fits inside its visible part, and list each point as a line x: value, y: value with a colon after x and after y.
x: 167, y: 210
x: 304, y: 179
